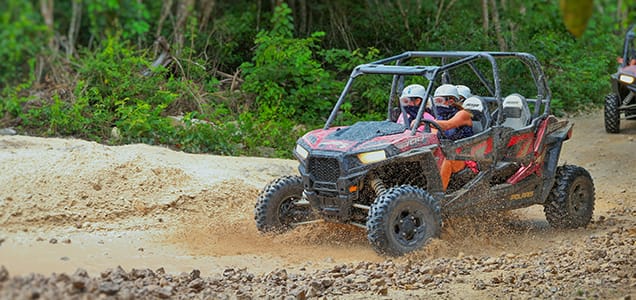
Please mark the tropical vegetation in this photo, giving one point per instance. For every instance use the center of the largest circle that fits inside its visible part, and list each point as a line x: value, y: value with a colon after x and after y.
x: 249, y: 77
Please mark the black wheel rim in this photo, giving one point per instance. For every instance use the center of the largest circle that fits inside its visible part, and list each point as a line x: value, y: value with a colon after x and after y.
x: 409, y: 226
x: 579, y: 197
x: 290, y: 212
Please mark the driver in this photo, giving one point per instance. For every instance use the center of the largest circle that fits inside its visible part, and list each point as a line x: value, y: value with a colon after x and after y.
x: 412, y: 97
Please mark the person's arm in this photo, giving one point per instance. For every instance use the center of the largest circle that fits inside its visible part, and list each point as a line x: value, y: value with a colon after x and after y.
x: 461, y: 118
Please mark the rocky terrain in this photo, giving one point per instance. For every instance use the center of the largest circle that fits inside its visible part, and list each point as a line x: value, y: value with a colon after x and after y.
x: 80, y: 220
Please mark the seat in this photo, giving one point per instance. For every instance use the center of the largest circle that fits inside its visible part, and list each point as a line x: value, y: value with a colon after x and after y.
x: 481, y: 116
x: 515, y: 111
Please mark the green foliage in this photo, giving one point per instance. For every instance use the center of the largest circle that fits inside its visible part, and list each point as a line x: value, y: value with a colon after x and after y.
x: 284, y: 75
x: 105, y: 16
x: 231, y: 41
x: 245, y: 135
x: 123, y: 96
x: 110, y: 94
x: 343, y: 61
x: 368, y: 95
x: 141, y: 122
x: 55, y: 118
x: 63, y: 118
x: 272, y: 138
x: 22, y: 36
x: 292, y: 69
x: 13, y: 100
x: 203, y: 137
x: 630, y: 8
x: 372, y: 92
x: 578, y: 69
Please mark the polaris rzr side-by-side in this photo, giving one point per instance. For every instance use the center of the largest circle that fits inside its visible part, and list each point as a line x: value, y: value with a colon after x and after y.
x: 384, y: 176
x: 622, y: 100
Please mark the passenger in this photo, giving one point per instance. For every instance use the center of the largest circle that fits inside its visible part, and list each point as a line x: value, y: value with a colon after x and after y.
x: 464, y: 92
x: 456, y: 122
x: 411, y: 99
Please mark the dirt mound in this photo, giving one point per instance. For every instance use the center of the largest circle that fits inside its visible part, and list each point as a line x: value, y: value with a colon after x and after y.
x: 81, y: 183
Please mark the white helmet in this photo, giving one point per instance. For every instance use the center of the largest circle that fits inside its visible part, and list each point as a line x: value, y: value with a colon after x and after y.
x: 464, y: 91
x: 413, y: 90
x: 447, y: 90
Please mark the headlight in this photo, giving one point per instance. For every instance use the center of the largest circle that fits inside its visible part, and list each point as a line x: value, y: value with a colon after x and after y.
x: 626, y: 79
x: 302, y: 152
x: 371, y: 157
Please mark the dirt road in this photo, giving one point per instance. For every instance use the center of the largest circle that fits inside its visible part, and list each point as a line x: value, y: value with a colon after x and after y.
x: 72, y: 212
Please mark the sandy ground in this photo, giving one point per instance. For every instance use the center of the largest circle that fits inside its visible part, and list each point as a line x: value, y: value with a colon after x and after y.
x: 67, y: 204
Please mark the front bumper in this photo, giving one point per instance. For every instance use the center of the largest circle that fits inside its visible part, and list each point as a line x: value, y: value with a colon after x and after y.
x: 330, y: 192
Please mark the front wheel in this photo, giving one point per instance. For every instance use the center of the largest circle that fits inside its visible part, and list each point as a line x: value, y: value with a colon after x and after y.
x: 280, y: 206
x: 612, y: 115
x: 571, y: 200
x: 403, y: 219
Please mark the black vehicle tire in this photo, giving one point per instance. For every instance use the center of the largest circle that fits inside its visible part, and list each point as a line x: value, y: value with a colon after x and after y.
x: 278, y: 208
x: 612, y: 115
x: 570, y: 203
x: 403, y: 219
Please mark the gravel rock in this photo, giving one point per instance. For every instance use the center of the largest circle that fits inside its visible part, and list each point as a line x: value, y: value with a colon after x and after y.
x: 8, y: 131
x: 4, y: 274
x: 601, y: 265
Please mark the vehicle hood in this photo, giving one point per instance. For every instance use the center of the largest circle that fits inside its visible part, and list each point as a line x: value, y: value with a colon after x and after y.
x: 629, y: 70
x: 368, y: 135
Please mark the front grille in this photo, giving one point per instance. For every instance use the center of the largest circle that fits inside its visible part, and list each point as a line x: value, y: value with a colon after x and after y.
x: 324, y: 169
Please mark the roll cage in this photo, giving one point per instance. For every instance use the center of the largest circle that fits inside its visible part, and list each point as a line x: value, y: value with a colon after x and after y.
x: 449, y: 60
x: 629, y: 51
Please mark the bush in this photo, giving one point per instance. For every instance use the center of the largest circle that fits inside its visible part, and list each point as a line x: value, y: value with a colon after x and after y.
x: 22, y: 36
x: 288, y: 81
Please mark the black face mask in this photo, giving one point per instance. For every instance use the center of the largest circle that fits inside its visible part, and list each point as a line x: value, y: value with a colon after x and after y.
x: 446, y: 113
x: 411, y: 111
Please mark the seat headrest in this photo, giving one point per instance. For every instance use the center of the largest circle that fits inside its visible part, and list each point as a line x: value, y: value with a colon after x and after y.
x: 513, y: 101
x: 473, y: 103
x: 516, y: 111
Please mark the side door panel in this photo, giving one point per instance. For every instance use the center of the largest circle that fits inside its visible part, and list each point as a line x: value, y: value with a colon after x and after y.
x: 479, y: 147
x: 519, y: 145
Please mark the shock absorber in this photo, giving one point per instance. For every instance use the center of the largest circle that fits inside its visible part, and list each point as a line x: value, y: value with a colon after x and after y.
x: 378, y: 186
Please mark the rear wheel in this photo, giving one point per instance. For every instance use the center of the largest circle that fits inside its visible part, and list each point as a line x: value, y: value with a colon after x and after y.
x: 571, y: 200
x: 280, y: 206
x: 612, y: 115
x: 403, y: 219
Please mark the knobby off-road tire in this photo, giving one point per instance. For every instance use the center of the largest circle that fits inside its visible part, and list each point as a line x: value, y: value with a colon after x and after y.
x: 278, y: 208
x: 571, y: 200
x: 403, y: 219
x: 612, y: 116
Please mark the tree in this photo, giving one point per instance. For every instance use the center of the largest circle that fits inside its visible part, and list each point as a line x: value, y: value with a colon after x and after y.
x: 184, y: 8
x: 46, y: 8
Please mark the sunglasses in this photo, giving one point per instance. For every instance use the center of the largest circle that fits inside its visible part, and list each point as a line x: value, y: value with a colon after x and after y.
x: 413, y: 99
x: 441, y: 99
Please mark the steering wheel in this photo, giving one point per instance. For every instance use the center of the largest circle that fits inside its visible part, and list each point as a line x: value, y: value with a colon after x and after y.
x: 440, y: 131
